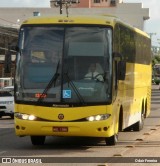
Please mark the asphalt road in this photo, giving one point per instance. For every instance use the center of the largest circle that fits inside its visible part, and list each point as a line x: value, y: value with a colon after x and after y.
x: 89, y: 151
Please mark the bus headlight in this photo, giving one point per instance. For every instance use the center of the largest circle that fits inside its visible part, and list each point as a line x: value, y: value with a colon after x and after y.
x: 25, y: 116
x: 98, y: 117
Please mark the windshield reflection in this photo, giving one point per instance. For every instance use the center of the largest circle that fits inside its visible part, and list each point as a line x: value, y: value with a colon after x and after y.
x: 64, y: 65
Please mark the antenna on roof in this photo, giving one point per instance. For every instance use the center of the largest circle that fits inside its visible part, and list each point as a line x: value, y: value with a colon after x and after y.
x: 66, y: 3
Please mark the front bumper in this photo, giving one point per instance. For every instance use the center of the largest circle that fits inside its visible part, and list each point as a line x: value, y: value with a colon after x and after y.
x: 102, y: 128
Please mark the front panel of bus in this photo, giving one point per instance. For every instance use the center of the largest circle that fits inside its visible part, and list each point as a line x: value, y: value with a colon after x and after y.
x: 63, y: 79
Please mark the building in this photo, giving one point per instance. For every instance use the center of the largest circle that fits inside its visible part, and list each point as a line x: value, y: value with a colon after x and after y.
x: 94, y: 3
x: 11, y: 18
x: 132, y: 13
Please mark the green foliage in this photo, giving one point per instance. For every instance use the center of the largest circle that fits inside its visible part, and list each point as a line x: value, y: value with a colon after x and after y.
x: 155, y: 60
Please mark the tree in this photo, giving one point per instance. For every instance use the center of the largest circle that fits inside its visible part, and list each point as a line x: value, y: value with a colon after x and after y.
x: 155, y: 60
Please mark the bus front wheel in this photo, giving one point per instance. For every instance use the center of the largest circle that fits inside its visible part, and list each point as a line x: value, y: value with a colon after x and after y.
x: 110, y: 141
x: 38, y: 140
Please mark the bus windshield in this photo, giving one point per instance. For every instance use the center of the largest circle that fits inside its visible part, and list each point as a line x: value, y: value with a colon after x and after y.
x: 64, y: 65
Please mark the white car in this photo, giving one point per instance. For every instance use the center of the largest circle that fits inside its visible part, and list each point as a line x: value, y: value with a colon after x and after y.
x: 7, y: 102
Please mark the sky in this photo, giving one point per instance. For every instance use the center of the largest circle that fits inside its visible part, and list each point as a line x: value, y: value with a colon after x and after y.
x: 151, y: 26
x: 24, y: 3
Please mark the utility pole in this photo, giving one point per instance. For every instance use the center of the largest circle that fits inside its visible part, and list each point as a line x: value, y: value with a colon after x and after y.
x: 60, y: 5
x: 66, y: 3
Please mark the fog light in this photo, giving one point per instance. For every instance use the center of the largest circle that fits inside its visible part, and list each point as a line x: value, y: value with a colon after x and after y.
x: 105, y: 128
x: 17, y: 127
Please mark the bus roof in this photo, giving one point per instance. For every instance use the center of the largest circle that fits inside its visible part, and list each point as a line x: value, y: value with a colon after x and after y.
x: 60, y: 19
x: 95, y: 19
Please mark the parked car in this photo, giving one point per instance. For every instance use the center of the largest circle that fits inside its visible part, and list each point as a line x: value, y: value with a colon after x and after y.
x: 7, y: 102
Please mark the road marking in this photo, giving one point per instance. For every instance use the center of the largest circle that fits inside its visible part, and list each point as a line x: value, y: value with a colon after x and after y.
x: 5, y: 123
x: 4, y: 126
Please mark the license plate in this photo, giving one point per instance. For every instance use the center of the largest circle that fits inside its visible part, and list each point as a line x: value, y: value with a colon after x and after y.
x: 60, y: 129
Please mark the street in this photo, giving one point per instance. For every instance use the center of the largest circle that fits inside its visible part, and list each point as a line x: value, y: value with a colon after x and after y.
x: 145, y: 143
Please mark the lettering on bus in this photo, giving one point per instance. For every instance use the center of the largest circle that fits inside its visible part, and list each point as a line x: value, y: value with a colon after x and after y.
x: 40, y: 95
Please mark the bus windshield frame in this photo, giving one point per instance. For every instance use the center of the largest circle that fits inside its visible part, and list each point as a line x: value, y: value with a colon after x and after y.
x: 55, y: 62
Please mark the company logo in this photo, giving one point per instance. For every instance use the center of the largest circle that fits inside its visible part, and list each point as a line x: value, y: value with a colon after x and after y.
x: 6, y: 160
x: 60, y: 116
x: 20, y: 160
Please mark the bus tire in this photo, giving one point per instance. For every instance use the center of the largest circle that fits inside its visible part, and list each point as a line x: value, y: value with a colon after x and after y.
x: 139, y: 125
x: 38, y: 140
x: 110, y: 141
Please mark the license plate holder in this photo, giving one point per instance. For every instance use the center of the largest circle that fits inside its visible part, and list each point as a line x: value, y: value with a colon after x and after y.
x: 60, y: 129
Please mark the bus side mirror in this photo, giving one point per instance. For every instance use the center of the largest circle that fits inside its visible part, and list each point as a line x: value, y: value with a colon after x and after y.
x: 121, y: 68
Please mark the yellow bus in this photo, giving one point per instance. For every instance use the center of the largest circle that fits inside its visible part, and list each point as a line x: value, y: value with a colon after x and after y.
x: 86, y: 76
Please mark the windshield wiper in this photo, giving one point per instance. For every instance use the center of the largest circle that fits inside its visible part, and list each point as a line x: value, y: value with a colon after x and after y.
x: 53, y: 80
x: 75, y: 89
